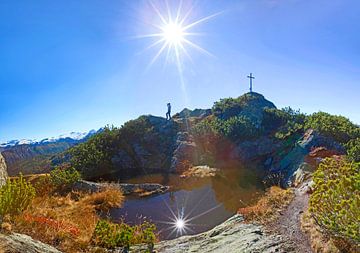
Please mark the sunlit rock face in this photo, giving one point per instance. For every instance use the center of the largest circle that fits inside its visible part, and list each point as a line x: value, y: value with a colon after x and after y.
x: 231, y: 236
x: 23, y: 243
x: 3, y: 171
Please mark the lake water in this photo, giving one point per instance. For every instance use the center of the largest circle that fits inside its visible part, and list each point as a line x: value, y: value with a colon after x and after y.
x: 205, y: 202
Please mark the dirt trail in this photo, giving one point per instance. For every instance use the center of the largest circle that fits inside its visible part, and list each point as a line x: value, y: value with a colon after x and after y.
x: 288, y: 224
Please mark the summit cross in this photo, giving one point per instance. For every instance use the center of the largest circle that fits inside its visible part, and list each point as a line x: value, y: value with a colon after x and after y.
x: 251, y: 77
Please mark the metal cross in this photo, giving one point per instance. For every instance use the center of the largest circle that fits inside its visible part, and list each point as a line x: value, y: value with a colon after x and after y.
x: 251, y: 77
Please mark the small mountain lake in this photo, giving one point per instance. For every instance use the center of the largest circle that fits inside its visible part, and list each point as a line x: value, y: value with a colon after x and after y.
x: 203, y: 202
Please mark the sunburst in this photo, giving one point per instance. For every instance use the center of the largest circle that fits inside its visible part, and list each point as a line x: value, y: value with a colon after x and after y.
x: 174, y: 35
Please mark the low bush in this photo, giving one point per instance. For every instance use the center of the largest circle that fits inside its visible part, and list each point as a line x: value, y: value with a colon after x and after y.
x: 335, y: 201
x: 236, y: 128
x: 111, y: 235
x: 15, y: 196
x: 284, y: 122
x: 43, y: 185
x: 353, y: 150
x: 339, y: 128
x: 64, y: 177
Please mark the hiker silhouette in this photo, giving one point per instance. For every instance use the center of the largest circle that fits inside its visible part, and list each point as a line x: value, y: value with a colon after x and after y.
x: 168, y: 114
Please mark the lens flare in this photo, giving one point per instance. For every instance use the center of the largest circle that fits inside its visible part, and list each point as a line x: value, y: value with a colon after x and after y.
x: 180, y: 223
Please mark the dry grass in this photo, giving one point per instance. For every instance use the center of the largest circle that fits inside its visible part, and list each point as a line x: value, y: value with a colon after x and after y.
x: 106, y: 199
x: 66, y: 222
x: 268, y: 207
x: 321, y: 242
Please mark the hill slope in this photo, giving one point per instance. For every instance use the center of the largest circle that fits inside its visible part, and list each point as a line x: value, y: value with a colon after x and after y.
x: 249, y: 129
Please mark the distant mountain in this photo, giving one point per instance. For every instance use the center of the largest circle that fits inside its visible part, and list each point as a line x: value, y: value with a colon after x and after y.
x: 34, y: 156
x: 70, y: 137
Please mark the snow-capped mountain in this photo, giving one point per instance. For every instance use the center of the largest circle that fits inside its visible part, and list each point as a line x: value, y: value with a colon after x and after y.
x: 76, y: 136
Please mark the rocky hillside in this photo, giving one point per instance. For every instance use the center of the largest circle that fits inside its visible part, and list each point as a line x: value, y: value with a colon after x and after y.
x: 249, y: 129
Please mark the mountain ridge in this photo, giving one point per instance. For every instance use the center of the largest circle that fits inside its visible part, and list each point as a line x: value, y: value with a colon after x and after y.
x: 28, y: 156
x: 71, y: 135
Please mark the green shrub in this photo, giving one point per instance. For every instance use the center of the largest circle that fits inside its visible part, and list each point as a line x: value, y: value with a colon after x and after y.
x: 335, y: 201
x: 237, y: 128
x: 284, y: 122
x: 15, y: 196
x: 111, y: 235
x: 353, y: 150
x: 339, y: 128
x: 230, y: 107
x: 64, y: 177
x: 95, y: 153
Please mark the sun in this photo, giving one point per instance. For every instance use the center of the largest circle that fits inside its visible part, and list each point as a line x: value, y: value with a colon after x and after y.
x: 174, y: 34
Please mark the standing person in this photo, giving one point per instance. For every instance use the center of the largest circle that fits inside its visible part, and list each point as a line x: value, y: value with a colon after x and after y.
x: 168, y: 114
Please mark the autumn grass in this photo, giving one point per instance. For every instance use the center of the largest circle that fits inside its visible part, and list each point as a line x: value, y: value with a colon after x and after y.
x: 268, y: 207
x: 319, y: 241
x: 66, y: 222
x: 104, y: 200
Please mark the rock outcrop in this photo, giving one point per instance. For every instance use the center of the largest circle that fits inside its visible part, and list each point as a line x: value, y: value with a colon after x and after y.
x: 3, y: 171
x: 231, y: 236
x: 146, y: 146
x: 19, y: 243
x: 295, y: 159
x: 127, y: 189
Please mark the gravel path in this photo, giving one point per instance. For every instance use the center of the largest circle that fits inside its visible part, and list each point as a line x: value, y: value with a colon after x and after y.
x: 288, y: 224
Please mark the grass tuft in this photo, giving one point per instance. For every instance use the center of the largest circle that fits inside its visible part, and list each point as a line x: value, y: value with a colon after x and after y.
x: 269, y: 206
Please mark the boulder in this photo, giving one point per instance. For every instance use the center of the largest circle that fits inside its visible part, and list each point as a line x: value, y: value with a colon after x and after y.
x: 231, y: 236
x: 3, y: 171
x: 19, y: 243
x: 302, y: 173
x: 185, y: 153
x: 127, y: 189
x: 200, y: 171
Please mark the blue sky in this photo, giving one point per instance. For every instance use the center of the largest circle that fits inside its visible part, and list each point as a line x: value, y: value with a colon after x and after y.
x: 75, y: 65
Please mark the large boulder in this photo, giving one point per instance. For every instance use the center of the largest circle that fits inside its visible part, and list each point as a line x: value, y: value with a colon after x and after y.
x: 126, y: 189
x: 185, y: 153
x: 255, y: 150
x: 19, y: 243
x: 3, y: 171
x: 231, y: 236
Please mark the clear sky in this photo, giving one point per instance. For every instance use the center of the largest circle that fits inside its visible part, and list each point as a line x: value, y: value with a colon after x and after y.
x: 75, y: 65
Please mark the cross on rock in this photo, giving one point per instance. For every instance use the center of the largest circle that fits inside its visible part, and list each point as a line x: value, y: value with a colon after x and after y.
x: 251, y: 77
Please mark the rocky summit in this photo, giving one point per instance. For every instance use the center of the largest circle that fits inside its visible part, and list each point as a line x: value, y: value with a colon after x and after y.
x: 248, y: 129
